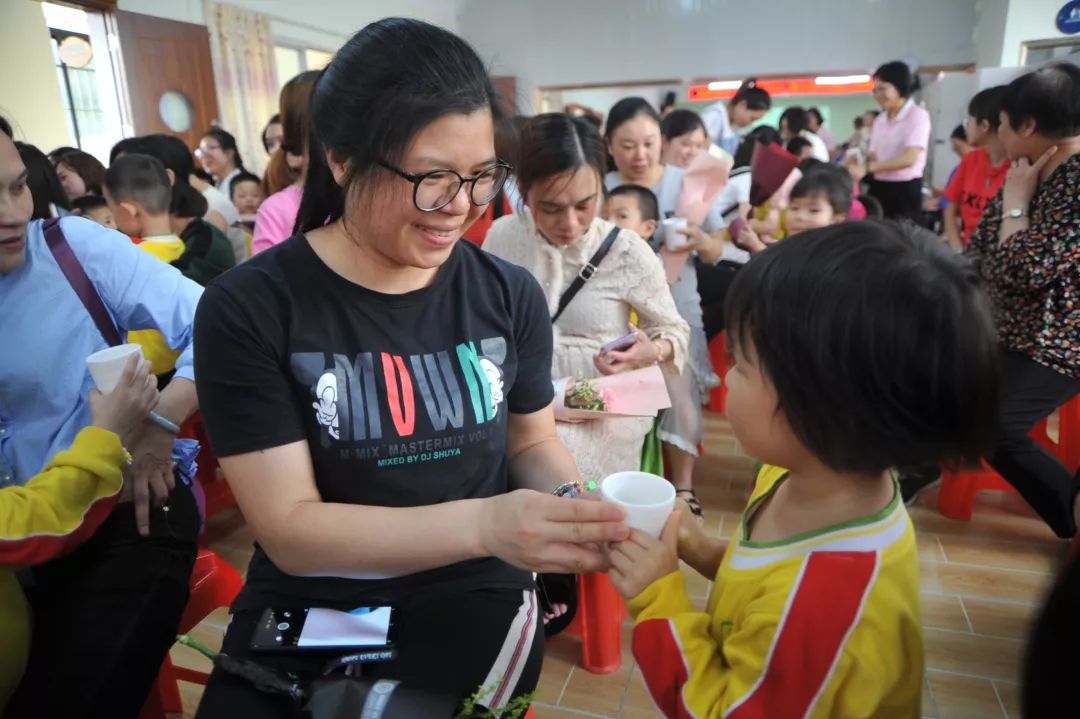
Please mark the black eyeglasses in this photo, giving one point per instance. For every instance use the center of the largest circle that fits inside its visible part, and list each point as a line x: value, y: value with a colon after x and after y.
x: 437, y: 189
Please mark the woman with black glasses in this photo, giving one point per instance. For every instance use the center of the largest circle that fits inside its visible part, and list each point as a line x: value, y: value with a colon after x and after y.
x: 379, y: 393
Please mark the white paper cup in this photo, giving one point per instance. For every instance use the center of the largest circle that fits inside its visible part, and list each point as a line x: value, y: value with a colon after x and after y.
x: 107, y: 365
x: 647, y: 499
x: 673, y: 240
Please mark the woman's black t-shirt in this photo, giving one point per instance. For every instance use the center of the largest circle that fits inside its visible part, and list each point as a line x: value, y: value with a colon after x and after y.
x: 403, y: 399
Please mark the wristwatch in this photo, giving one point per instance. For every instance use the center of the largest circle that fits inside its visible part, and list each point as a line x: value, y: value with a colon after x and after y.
x: 1015, y: 213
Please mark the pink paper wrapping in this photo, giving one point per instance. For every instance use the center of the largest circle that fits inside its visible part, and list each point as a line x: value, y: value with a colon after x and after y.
x: 638, y: 393
x: 702, y: 182
x: 782, y: 197
x: 673, y: 263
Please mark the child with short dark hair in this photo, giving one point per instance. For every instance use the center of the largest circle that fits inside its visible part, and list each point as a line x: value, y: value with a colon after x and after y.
x: 634, y: 208
x: 815, y: 604
x: 801, y: 148
x: 93, y: 207
x: 822, y: 197
x: 245, y: 191
x: 981, y: 172
x: 139, y: 193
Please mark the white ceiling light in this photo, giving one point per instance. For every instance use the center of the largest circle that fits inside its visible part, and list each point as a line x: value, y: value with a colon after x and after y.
x: 725, y: 85
x: 842, y: 80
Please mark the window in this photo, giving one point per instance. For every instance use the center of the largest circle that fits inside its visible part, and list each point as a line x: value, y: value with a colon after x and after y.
x: 291, y: 61
x: 1042, y: 51
x: 86, y: 76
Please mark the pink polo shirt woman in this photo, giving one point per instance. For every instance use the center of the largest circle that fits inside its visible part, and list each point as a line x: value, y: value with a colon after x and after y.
x: 900, y: 191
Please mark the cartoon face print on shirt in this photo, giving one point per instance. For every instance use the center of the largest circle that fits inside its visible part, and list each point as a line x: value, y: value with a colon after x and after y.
x: 495, y: 383
x: 326, y: 409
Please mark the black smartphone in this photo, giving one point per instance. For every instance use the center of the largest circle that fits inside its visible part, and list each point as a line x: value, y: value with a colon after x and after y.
x: 364, y: 630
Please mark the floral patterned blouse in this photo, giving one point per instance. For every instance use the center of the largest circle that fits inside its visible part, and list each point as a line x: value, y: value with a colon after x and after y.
x: 1033, y: 277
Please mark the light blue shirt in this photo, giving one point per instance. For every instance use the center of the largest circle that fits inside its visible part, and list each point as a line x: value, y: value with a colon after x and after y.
x: 46, y: 335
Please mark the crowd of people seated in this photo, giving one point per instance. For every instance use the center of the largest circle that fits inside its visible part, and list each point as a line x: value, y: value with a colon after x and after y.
x: 381, y: 396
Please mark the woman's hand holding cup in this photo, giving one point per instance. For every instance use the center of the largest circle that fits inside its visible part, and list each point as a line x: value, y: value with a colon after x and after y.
x: 544, y: 533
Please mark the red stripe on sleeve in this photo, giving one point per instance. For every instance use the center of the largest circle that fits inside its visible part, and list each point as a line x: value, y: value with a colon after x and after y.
x: 39, y: 548
x: 827, y: 604
x: 660, y: 658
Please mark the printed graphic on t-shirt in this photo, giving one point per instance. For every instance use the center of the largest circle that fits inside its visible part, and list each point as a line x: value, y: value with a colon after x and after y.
x: 437, y: 403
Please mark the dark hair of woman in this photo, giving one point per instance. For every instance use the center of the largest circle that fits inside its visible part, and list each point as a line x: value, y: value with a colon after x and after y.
x: 227, y: 142
x: 816, y: 114
x: 899, y: 75
x: 41, y: 178
x: 58, y: 152
x: 555, y: 144
x: 753, y: 96
x: 5, y: 127
x: 87, y: 167
x: 626, y: 110
x: 1050, y: 96
x: 764, y: 134
x: 295, y: 103
x: 386, y: 84
x: 274, y: 120
x: 797, y: 119
x: 668, y: 101
x: 681, y: 122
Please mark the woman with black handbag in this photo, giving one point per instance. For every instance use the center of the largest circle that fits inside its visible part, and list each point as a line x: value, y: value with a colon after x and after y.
x: 593, y: 275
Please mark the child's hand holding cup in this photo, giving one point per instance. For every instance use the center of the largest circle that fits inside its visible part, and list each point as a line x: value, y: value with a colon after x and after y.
x: 647, y: 499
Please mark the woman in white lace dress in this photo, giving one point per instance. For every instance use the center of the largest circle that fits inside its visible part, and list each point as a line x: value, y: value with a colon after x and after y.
x: 560, y: 172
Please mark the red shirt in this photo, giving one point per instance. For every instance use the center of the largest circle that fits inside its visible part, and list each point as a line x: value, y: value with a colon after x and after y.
x: 975, y: 183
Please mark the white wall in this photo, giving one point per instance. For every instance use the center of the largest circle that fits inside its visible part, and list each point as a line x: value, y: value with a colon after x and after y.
x: 322, y: 24
x: 1028, y: 20
x: 1005, y: 25
x: 29, y: 88
x: 562, y: 42
x: 992, y: 16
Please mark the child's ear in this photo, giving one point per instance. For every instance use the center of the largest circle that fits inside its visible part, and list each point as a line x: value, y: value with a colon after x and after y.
x: 650, y: 228
x: 839, y: 217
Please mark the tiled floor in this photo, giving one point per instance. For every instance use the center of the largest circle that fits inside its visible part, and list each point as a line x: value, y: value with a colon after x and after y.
x: 981, y: 583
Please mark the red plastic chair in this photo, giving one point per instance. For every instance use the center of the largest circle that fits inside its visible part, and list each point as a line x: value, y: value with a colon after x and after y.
x: 718, y: 352
x: 959, y: 488
x: 218, y: 495
x: 214, y: 584
x: 599, y: 624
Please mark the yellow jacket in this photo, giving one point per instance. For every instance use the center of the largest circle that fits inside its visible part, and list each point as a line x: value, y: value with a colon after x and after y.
x: 156, y: 350
x: 823, y: 625
x: 52, y: 514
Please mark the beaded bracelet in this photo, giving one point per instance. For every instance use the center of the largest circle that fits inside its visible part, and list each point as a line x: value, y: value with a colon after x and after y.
x: 575, y: 489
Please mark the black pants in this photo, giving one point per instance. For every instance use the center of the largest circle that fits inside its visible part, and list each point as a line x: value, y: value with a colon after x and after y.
x: 106, y: 615
x: 449, y: 644
x: 713, y: 284
x: 1029, y: 393
x: 899, y: 200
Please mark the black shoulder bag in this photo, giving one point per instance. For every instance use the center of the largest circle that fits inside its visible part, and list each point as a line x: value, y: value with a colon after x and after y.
x: 586, y: 273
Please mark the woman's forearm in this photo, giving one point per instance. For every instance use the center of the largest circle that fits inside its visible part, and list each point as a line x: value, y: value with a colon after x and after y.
x: 543, y: 467
x: 904, y: 160
x: 362, y: 542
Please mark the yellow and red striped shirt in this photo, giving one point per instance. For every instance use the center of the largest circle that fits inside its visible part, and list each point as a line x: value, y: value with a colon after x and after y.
x: 51, y: 515
x: 823, y: 625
